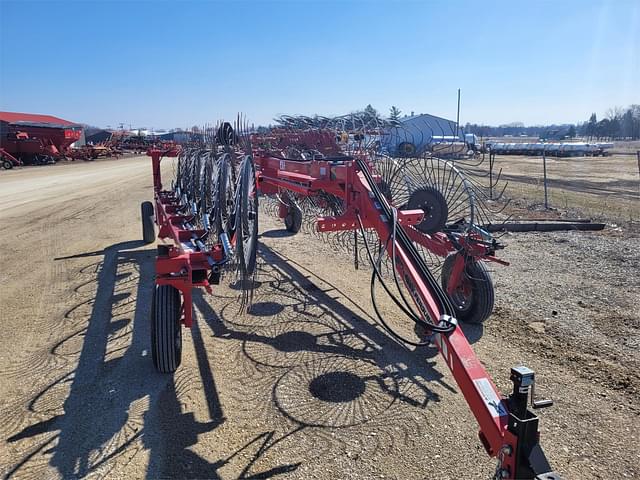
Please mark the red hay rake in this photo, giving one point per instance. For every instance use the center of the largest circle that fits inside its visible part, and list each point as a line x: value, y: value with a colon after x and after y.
x: 399, y: 215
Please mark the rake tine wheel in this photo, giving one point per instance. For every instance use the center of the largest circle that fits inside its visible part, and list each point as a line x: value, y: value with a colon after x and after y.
x: 246, y: 228
x: 215, y: 188
x: 409, y: 211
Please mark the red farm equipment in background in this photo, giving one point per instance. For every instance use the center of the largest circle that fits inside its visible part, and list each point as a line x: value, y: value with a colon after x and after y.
x: 8, y: 161
x: 36, y: 139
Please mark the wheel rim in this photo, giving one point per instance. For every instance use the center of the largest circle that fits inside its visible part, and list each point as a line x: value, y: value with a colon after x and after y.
x: 462, y: 296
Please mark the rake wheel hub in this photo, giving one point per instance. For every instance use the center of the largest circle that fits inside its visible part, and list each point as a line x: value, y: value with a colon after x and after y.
x: 434, y: 206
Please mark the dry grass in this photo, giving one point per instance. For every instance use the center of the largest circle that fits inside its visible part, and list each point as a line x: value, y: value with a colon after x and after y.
x: 602, y: 188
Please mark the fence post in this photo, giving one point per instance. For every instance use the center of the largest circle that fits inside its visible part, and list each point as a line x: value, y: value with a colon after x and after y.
x: 492, y: 158
x: 544, y: 166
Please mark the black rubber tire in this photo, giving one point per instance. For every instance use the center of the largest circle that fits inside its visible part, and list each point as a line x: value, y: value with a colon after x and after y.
x: 293, y: 219
x: 479, y: 305
x: 166, y: 329
x: 148, y: 229
x: 407, y: 149
x: 7, y: 165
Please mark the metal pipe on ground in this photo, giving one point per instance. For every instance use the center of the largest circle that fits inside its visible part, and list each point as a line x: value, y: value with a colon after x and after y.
x: 544, y: 227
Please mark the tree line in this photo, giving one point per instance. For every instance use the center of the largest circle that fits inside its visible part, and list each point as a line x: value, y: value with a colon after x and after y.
x: 617, y: 124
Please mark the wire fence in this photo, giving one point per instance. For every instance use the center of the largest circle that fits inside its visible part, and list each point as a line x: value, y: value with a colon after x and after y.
x: 604, y: 187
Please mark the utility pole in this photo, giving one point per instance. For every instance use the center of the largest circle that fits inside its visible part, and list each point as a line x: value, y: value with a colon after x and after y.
x: 458, y: 116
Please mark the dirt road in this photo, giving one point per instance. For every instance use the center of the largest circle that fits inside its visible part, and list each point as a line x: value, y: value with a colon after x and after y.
x: 304, y: 387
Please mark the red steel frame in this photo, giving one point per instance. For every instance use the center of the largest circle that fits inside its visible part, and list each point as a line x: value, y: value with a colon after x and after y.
x: 181, y: 264
x: 307, y: 178
x: 184, y: 267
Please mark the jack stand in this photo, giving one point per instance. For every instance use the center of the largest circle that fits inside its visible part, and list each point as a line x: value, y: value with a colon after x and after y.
x: 530, y: 462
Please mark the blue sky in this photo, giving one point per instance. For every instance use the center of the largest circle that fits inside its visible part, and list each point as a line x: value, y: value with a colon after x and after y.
x: 170, y: 64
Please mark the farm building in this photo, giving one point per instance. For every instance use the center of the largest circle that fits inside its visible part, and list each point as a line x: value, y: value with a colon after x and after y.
x: 34, y: 138
x: 420, y: 133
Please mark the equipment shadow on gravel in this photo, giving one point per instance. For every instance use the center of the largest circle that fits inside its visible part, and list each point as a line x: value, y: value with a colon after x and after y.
x: 277, y: 233
x: 116, y: 404
x: 339, y: 369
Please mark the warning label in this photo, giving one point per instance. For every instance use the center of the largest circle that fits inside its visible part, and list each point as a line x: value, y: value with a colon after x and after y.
x: 490, y: 397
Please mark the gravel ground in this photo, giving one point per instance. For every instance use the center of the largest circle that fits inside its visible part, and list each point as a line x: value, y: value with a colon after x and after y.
x: 306, y: 386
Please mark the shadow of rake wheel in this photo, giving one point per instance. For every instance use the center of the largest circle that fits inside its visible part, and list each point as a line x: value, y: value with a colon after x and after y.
x: 335, y: 392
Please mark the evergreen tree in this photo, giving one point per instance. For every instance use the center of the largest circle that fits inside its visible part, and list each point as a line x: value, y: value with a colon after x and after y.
x: 614, y: 127
x: 603, y: 128
x: 369, y: 110
x: 627, y: 124
x: 592, y: 125
x: 394, y: 113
